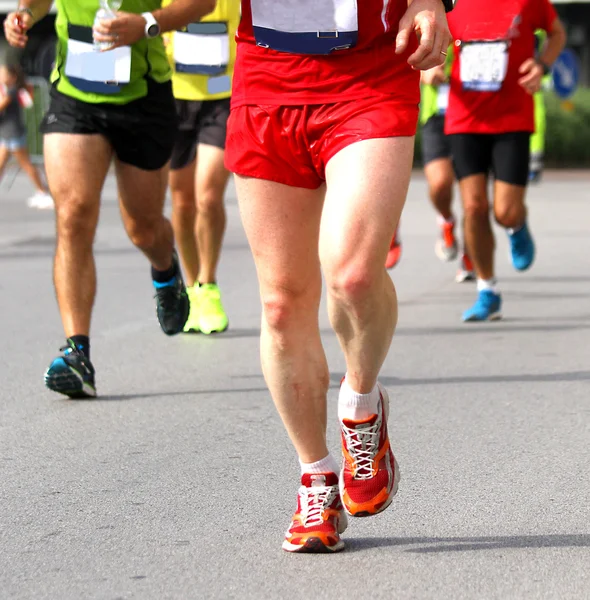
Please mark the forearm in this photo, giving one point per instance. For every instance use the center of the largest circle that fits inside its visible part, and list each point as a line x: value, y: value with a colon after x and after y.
x: 555, y: 43
x: 182, y: 12
x: 38, y: 8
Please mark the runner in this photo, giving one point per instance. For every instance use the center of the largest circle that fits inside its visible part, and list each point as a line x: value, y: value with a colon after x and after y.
x: 202, y: 60
x: 111, y: 105
x: 490, y: 120
x: 438, y: 165
x: 538, y: 138
x: 13, y: 133
x: 324, y: 112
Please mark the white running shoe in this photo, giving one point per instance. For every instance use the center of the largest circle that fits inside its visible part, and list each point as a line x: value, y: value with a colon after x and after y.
x: 41, y: 200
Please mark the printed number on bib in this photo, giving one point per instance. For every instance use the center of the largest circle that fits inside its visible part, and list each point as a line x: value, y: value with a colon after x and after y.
x: 484, y: 65
x: 92, y: 71
x: 305, y: 26
x: 203, y: 49
x: 442, y: 98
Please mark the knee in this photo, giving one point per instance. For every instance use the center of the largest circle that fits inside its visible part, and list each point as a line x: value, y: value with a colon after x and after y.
x: 142, y: 234
x: 441, y: 186
x: 476, y: 209
x: 284, y: 307
x: 209, y: 200
x: 76, y: 218
x: 183, y: 204
x: 351, y: 284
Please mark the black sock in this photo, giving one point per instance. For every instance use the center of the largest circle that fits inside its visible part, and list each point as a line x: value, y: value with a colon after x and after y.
x: 82, y: 343
x: 167, y: 275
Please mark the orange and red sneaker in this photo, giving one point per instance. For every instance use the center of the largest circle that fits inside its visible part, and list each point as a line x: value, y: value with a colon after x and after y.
x: 395, y: 251
x: 319, y: 519
x: 466, y: 271
x: 370, y: 474
x: 446, y: 247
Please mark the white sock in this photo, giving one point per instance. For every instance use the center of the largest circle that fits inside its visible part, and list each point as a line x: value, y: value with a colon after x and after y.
x: 487, y: 284
x: 441, y: 220
x: 513, y: 230
x: 355, y: 406
x: 326, y: 465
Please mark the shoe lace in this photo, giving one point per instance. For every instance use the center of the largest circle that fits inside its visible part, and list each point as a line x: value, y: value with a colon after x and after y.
x: 166, y: 296
x: 315, y: 500
x: 362, y: 443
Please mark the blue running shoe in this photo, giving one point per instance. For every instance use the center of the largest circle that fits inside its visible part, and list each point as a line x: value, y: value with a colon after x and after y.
x: 71, y: 374
x: 486, y: 308
x: 522, y: 248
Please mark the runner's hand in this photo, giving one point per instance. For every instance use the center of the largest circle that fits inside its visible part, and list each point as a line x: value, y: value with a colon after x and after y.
x: 16, y: 26
x: 532, y: 74
x: 125, y: 29
x: 427, y: 18
x: 435, y: 76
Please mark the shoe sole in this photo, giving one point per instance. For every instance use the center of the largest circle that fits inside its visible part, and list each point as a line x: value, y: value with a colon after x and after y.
x: 213, y: 331
x: 69, y: 383
x: 493, y: 317
x: 313, y: 546
x: 464, y: 276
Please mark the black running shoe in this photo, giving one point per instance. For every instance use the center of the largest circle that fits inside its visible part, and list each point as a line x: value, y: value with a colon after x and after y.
x: 71, y: 374
x: 172, y: 303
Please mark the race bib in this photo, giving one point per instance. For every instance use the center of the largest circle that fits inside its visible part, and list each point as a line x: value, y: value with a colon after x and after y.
x: 203, y: 49
x: 305, y: 26
x: 483, y: 65
x: 442, y: 98
x: 93, y: 71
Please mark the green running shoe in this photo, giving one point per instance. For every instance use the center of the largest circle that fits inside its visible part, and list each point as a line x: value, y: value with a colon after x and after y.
x: 192, y: 323
x: 212, y: 317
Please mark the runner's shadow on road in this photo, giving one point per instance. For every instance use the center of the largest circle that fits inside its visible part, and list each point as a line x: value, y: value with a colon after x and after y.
x: 162, y: 395
x: 435, y: 545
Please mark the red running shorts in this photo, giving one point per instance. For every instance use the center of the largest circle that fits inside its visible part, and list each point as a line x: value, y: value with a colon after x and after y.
x: 293, y: 144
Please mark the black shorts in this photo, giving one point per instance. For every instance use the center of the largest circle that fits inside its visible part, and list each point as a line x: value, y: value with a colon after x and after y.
x: 142, y: 132
x: 506, y: 155
x: 201, y: 122
x: 435, y: 144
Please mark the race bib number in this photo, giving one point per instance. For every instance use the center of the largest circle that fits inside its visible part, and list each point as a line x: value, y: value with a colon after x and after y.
x: 203, y: 49
x: 442, y: 98
x: 305, y: 26
x: 483, y: 65
x: 92, y: 71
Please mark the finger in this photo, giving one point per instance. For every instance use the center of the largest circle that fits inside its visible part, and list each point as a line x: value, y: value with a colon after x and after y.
x: 526, y: 65
x: 435, y: 58
x: 427, y: 39
x: 403, y: 38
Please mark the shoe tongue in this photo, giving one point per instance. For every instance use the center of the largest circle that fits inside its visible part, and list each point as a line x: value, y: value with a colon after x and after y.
x: 319, y: 479
x: 361, y: 424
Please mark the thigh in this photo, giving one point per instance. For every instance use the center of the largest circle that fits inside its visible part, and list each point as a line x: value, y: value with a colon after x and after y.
x: 211, y: 174
x: 435, y: 144
x: 143, y: 132
x: 76, y: 166
x: 184, y: 151
x: 367, y: 184
x: 282, y: 225
x: 472, y: 154
x: 510, y: 157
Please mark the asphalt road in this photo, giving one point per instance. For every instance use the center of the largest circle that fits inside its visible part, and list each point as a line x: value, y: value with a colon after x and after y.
x: 178, y: 482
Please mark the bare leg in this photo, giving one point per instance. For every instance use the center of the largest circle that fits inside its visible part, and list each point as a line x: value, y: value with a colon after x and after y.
x: 184, y: 216
x: 282, y: 224
x: 76, y: 191
x: 141, y: 201
x: 440, y: 177
x: 4, y: 158
x: 509, y: 204
x: 479, y: 237
x: 22, y: 156
x: 211, y: 181
x: 367, y: 184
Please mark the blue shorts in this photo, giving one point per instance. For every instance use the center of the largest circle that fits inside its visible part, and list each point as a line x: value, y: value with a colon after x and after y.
x: 13, y: 144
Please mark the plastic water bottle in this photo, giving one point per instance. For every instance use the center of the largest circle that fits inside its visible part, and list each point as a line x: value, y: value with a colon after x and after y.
x: 107, y: 11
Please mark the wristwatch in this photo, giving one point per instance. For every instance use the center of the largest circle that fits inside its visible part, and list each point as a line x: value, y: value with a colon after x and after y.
x: 152, y: 27
x: 448, y: 4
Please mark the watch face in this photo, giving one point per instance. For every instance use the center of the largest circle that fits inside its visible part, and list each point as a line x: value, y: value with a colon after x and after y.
x: 153, y: 30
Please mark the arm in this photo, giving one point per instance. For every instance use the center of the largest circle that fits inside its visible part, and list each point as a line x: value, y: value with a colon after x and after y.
x: 17, y: 23
x: 127, y: 29
x: 532, y: 69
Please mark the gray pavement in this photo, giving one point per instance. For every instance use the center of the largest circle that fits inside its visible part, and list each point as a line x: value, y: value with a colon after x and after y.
x: 179, y: 481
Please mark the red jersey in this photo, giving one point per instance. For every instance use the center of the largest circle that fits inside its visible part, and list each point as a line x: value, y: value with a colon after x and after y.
x: 491, y: 43
x: 296, y: 52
